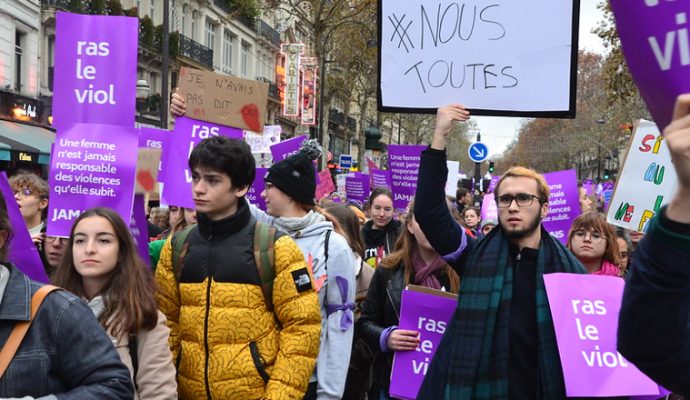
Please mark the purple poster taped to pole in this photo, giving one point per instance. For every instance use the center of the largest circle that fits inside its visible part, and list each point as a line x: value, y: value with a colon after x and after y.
x: 585, y: 312
x: 285, y: 149
x: 96, y: 71
x: 139, y: 228
x: 403, y: 163
x: 22, y: 251
x: 426, y: 311
x: 92, y: 165
x: 656, y: 53
x: 381, y: 178
x: 187, y: 134
x: 357, y: 188
x: 254, y: 194
x: 564, y: 205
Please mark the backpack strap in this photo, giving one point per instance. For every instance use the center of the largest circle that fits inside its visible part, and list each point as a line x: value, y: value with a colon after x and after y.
x: 180, y: 246
x: 19, y: 331
x: 133, y: 346
x: 325, y: 248
x: 264, y: 258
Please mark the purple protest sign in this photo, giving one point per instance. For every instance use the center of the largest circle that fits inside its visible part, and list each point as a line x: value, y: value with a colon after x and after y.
x: 493, y: 183
x: 187, y: 134
x: 489, y: 209
x: 381, y: 178
x: 428, y: 312
x: 96, y: 71
x: 92, y: 165
x: 139, y: 228
x: 325, y: 186
x: 22, y: 251
x: 285, y: 149
x: 403, y: 162
x: 585, y: 312
x: 357, y: 188
x: 657, y: 61
x: 254, y: 193
x: 564, y: 205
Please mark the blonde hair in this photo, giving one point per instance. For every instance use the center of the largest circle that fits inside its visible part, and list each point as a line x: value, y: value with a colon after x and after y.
x: 523, y: 172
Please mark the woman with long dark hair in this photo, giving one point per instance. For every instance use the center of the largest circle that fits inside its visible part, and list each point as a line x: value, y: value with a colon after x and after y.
x: 382, y: 230
x: 102, y: 266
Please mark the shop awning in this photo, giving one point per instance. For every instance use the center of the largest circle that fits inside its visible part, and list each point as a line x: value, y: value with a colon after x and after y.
x: 22, y: 142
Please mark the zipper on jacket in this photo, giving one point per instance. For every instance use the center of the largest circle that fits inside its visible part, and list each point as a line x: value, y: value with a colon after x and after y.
x: 208, y: 308
x: 517, y: 266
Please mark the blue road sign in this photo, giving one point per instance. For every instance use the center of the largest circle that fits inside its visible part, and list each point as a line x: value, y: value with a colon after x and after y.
x: 345, y: 161
x: 478, y: 152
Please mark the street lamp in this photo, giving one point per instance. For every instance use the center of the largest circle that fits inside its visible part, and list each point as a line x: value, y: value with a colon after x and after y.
x: 142, y: 93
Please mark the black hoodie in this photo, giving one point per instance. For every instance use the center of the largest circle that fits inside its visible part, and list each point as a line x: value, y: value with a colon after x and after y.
x: 379, y: 243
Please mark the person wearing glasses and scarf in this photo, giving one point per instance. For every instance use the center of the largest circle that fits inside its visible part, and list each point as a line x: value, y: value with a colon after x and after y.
x: 593, y: 241
x: 500, y: 342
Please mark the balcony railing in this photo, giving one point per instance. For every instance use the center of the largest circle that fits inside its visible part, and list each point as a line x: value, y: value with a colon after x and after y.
x: 273, y: 90
x: 267, y: 31
x: 336, y: 116
x: 196, y: 51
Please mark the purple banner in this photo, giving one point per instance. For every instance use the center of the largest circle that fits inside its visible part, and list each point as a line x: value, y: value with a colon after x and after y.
x: 139, y: 228
x: 92, y: 165
x: 489, y: 209
x: 357, y: 188
x: 564, y: 205
x: 254, y: 194
x: 178, y: 178
x: 585, y: 312
x: 22, y: 251
x: 403, y: 163
x: 95, y: 69
x: 427, y: 312
x: 656, y: 51
x: 381, y: 178
x: 285, y: 149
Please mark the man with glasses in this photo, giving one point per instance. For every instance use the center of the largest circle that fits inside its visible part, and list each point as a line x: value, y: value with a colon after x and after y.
x: 31, y: 194
x: 500, y: 343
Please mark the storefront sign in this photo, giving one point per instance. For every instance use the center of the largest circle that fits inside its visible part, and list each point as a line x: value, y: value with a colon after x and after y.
x: 292, y: 54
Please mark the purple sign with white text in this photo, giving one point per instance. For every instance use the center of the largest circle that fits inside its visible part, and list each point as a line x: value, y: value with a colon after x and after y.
x: 564, y: 205
x: 285, y: 149
x: 187, y: 134
x: 95, y: 70
x: 22, y: 251
x: 381, y: 178
x: 357, y: 188
x: 428, y: 312
x: 585, y: 312
x: 403, y: 163
x: 139, y: 228
x: 254, y: 194
x: 92, y: 165
x: 489, y: 210
x: 655, y: 44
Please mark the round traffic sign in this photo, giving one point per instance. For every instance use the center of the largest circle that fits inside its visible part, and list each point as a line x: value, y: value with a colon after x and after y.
x: 478, y: 152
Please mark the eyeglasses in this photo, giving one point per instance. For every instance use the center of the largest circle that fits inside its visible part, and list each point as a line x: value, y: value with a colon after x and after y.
x: 26, y: 192
x: 522, y: 200
x: 594, y: 236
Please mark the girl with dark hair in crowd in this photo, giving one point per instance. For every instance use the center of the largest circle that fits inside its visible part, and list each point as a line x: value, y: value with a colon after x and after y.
x: 593, y: 241
x: 102, y: 266
x: 381, y: 231
x: 414, y: 261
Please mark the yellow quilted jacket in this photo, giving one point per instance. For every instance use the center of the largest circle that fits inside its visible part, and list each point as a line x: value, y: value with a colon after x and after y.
x: 226, y: 343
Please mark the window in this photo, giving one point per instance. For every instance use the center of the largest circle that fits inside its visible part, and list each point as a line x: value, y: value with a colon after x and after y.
x: 210, y: 35
x: 152, y: 10
x: 138, y: 7
x: 246, y: 49
x: 18, y: 41
x: 193, y: 27
x: 51, y: 60
x: 183, y: 22
x: 174, y: 26
x: 228, y: 48
x: 153, y: 78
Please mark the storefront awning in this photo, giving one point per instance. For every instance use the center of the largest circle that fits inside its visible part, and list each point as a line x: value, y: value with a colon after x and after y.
x: 22, y: 142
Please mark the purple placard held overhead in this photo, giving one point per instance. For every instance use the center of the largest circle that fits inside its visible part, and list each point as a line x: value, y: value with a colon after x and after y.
x: 357, y: 188
x: 564, y: 205
x: 139, y: 228
x: 403, y: 163
x: 285, y: 149
x: 96, y: 70
x: 22, y: 251
x: 585, y: 312
x: 656, y: 51
x: 92, y: 165
x: 254, y: 194
x: 428, y: 313
x: 187, y: 134
x: 381, y: 178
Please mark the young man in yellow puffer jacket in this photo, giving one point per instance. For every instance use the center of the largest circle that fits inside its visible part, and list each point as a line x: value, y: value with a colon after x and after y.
x: 225, y: 340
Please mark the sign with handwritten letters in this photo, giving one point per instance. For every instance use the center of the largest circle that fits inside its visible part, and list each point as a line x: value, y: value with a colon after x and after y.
x: 428, y: 312
x: 657, y: 54
x: 224, y: 99
x: 646, y: 182
x: 497, y: 58
x: 585, y: 312
x: 261, y: 142
x: 325, y: 185
x: 292, y: 52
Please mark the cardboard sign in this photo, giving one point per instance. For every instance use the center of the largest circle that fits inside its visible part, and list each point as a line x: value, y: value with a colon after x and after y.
x: 428, y: 312
x: 223, y: 99
x: 585, y: 312
x: 148, y: 161
x: 498, y: 58
x: 261, y: 142
x: 646, y: 182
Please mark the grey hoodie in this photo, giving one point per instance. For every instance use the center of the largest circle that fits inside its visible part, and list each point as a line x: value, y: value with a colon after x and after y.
x: 336, y: 344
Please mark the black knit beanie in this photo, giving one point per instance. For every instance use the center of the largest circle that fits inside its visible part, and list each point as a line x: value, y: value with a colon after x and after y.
x: 295, y: 175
